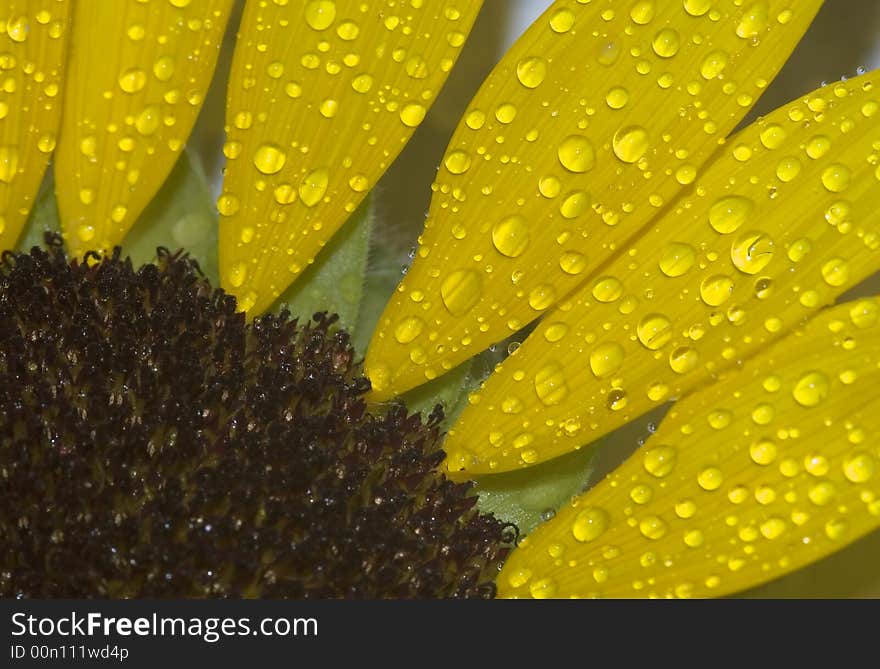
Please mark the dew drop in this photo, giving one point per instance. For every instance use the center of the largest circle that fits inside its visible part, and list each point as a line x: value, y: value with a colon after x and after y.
x: 544, y: 588
x: 660, y: 461
x: 460, y: 291
x: 683, y: 359
x: 576, y: 154
x: 710, y: 478
x: 408, y: 329
x: 666, y: 43
x: 630, y: 143
x: 18, y: 28
x: 729, y: 213
x: 836, y: 177
x: 713, y: 65
x: 458, y: 162
x: 412, y: 114
x: 617, y: 400
x: 752, y: 252
x: 132, y: 80
x: 835, y: 272
x: 320, y: 14
x: 864, y: 314
x: 590, y: 524
x: 228, y: 204
x: 541, y: 297
x: 313, y: 187
x: 237, y: 274
x: 652, y: 527
x: 617, y: 97
x: 605, y: 359
x: 8, y: 163
x: 163, y: 68
x: 269, y: 158
x: 575, y: 204
x: 763, y: 451
x: 811, y: 389
x: 550, y: 384
x: 519, y: 577
x: 676, y: 259
x: 562, y: 20
x: 754, y: 20
x: 654, y: 331
x: 716, y: 290
x: 511, y: 236
x: 573, y: 262
x: 531, y: 71
x: 818, y: 146
x: 859, y: 467
x: 697, y: 7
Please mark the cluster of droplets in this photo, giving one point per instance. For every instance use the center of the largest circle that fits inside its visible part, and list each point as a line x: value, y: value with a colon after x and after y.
x: 31, y: 64
x: 322, y: 97
x: 127, y: 116
x: 794, y: 473
x: 776, y: 228
x: 545, y: 177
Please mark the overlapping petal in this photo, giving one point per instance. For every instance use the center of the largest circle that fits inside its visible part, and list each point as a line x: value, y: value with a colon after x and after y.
x: 34, y: 35
x: 322, y: 97
x: 783, y: 221
x: 762, y: 473
x: 137, y: 75
x: 598, y: 117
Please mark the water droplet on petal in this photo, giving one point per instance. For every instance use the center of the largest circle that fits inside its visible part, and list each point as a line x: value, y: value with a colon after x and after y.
x: 590, y: 524
x: 460, y: 291
x: 630, y: 143
x: 576, y: 154
x: 531, y: 71
x: 811, y: 389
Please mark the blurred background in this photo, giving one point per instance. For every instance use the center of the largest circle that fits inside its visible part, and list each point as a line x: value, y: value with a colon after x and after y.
x: 844, y: 38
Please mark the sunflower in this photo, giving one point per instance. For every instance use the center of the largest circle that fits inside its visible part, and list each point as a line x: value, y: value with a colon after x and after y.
x: 597, y: 205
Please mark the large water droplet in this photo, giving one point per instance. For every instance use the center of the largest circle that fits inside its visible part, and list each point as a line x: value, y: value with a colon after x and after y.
x: 729, y: 213
x: 576, y: 153
x: 460, y: 291
x: 751, y: 252
x: 660, y: 461
x: 630, y: 143
x: 550, y: 385
x: 510, y: 236
x: 320, y: 14
x: 605, y: 359
x: 811, y: 389
x: 269, y: 158
x: 590, y: 524
x: 716, y: 290
x: 676, y: 259
x: 654, y: 331
x: 313, y: 187
x: 531, y: 71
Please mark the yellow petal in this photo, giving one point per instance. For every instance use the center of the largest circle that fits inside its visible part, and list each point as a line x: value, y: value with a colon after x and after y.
x: 33, y: 34
x: 599, y: 116
x: 137, y: 75
x: 783, y: 221
x: 342, y: 86
x: 766, y: 471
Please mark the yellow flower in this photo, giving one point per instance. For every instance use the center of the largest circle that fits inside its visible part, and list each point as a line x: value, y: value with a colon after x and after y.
x: 594, y: 183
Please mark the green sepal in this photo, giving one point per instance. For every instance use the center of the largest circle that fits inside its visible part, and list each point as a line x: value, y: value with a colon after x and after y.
x: 529, y: 496
x: 335, y: 281
x: 43, y: 217
x: 182, y: 215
